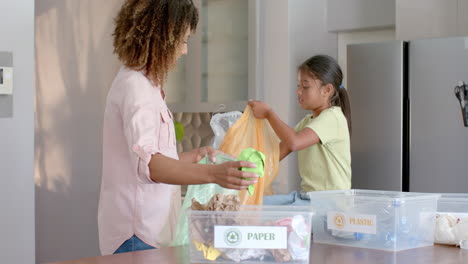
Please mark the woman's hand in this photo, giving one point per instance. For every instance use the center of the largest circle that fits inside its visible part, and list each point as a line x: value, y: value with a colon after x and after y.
x: 229, y: 176
x: 260, y: 109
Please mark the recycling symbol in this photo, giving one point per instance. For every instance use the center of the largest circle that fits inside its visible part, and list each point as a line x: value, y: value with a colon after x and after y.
x: 232, y: 237
x: 339, y: 220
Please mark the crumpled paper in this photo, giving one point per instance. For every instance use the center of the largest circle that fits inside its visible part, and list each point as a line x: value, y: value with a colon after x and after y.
x: 210, y: 253
x: 464, y: 244
x: 218, y: 202
x: 281, y: 255
x: 444, y: 229
x: 298, y: 239
x: 240, y: 254
x: 202, y: 231
x: 451, y: 230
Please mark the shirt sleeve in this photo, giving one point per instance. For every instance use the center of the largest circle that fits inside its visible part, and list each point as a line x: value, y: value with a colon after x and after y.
x: 141, y: 124
x: 325, y: 126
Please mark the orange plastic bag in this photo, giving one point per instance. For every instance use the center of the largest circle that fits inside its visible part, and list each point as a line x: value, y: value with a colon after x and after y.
x: 249, y: 132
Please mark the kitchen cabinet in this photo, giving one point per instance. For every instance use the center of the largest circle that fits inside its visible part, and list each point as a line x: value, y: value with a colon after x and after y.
x: 360, y: 14
x: 417, y: 19
x: 463, y: 17
x: 220, y: 67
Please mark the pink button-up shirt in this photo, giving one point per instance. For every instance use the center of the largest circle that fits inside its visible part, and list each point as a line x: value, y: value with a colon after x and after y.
x: 137, y: 125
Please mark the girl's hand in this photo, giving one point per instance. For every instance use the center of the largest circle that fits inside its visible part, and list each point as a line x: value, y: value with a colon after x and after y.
x: 260, y: 109
x: 195, y: 155
x: 229, y: 176
x: 200, y: 153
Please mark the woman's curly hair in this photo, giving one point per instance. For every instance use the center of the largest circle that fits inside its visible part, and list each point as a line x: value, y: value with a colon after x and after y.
x: 148, y: 34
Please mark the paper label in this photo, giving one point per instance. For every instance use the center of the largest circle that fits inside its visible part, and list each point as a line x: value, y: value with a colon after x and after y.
x: 265, y: 237
x: 352, y: 222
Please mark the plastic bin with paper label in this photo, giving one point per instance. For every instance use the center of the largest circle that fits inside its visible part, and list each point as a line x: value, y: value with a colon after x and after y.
x: 254, y: 234
x: 452, y: 219
x: 382, y: 220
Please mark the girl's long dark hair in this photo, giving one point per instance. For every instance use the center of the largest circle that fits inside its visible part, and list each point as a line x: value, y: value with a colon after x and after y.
x: 327, y: 70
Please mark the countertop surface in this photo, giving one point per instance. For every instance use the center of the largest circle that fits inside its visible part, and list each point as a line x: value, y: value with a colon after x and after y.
x: 320, y: 253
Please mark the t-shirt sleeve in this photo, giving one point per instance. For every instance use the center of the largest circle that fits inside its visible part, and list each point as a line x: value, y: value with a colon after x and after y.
x: 141, y: 124
x: 326, y: 126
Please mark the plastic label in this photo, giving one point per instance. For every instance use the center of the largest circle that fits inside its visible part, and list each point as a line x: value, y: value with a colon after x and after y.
x: 352, y: 222
x: 264, y: 237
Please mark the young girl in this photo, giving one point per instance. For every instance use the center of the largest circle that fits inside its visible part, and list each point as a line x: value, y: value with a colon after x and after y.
x: 322, y: 137
x: 140, y: 196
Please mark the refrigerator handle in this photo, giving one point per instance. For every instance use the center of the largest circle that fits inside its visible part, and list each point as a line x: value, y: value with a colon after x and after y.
x: 461, y: 93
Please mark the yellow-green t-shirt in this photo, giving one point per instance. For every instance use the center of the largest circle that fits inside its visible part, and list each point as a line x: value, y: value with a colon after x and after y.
x: 327, y: 164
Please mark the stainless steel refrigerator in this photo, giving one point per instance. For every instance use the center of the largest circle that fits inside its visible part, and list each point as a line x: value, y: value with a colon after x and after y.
x: 409, y: 104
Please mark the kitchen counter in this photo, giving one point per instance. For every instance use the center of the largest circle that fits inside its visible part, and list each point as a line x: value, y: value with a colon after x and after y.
x: 320, y: 254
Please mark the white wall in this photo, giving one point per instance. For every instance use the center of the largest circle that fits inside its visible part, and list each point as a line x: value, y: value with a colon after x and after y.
x: 309, y: 36
x: 75, y: 68
x: 276, y: 71
x: 292, y: 32
x: 17, y: 136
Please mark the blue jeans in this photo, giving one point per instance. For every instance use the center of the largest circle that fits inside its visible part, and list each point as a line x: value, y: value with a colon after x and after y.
x: 294, y: 198
x: 133, y: 244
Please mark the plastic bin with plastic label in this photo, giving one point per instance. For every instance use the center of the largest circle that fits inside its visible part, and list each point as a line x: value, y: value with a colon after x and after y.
x: 384, y: 220
x: 254, y: 234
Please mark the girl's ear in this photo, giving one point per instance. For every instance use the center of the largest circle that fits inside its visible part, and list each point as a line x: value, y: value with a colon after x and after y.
x: 328, y: 89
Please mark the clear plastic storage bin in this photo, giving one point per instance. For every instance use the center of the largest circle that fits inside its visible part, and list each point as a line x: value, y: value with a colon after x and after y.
x: 456, y: 203
x: 452, y: 219
x: 383, y: 220
x: 254, y: 234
